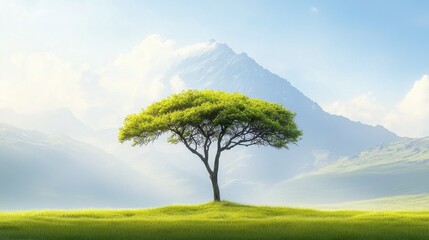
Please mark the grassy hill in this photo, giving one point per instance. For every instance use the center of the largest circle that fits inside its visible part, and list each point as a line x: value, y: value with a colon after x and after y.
x: 214, y: 221
x: 399, y: 168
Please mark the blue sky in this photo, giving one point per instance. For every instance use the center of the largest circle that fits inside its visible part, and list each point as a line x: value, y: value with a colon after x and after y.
x: 336, y: 52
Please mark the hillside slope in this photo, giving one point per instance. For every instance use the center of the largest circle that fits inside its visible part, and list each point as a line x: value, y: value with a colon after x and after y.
x: 399, y: 168
x: 44, y: 171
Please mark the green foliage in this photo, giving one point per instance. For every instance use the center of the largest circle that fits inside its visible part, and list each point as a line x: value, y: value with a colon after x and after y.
x: 200, y: 118
x: 195, y: 116
x: 222, y: 220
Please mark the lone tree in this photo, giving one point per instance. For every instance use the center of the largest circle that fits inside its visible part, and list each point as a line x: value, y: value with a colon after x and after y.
x: 202, y: 119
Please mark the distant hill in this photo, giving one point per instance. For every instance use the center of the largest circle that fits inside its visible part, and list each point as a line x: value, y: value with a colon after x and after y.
x: 44, y: 171
x: 395, y: 169
x: 57, y: 121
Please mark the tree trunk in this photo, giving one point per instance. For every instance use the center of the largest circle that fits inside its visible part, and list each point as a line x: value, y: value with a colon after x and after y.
x: 216, y: 192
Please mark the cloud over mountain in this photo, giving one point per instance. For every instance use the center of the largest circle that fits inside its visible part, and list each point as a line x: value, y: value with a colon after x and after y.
x: 45, y: 81
x: 41, y: 81
x: 156, y: 68
x: 408, y: 118
x: 138, y: 77
x: 411, y: 115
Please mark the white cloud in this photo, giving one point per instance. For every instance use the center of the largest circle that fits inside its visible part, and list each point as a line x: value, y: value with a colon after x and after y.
x: 41, y: 81
x: 140, y: 76
x: 137, y: 74
x: 410, y: 117
x: 416, y: 102
x: 177, y: 84
x: 196, y: 48
x: 364, y: 108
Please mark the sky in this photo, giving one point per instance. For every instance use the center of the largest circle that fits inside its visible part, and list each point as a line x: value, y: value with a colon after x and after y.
x: 366, y: 60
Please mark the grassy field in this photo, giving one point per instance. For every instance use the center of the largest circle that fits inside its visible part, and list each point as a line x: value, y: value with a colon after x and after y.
x: 214, y: 221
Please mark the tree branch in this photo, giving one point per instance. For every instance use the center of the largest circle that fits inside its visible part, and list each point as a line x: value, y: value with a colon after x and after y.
x: 242, y: 133
x: 194, y: 151
x: 246, y: 142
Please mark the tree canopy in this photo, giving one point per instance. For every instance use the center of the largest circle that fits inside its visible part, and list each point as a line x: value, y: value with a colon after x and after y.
x: 199, y: 119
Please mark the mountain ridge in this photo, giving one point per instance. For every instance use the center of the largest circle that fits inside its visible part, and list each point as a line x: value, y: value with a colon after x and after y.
x: 394, y: 169
x: 220, y: 68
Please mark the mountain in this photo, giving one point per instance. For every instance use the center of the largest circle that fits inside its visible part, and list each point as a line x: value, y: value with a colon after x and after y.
x: 395, y: 169
x: 46, y: 171
x: 325, y: 137
x: 174, y: 174
x: 221, y: 68
x: 57, y: 121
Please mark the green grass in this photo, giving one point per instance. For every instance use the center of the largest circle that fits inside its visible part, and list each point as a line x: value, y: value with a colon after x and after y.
x: 214, y: 221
